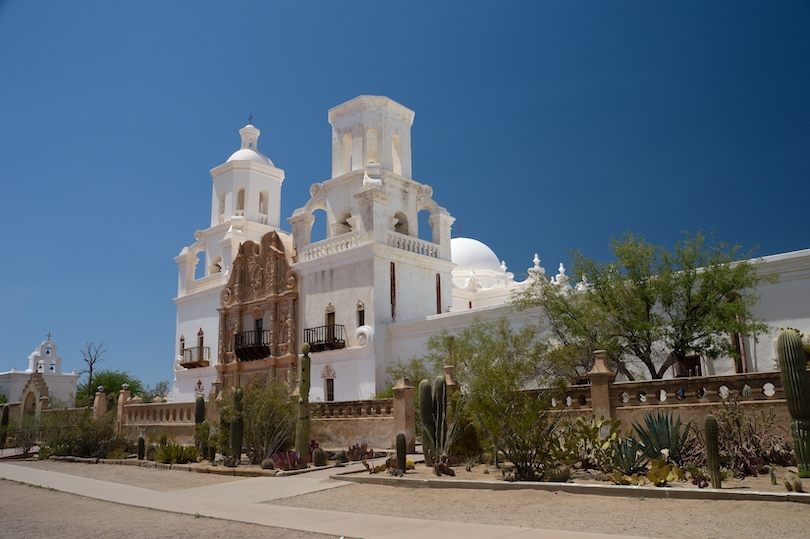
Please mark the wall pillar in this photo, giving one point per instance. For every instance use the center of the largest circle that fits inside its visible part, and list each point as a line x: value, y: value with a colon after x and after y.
x: 99, y: 403
x: 404, y: 414
x: 601, y: 377
x: 123, y: 399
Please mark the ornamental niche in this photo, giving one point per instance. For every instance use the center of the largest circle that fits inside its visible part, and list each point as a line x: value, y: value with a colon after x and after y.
x: 258, y: 312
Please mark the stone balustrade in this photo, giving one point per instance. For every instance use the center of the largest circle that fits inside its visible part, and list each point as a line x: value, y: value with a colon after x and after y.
x: 164, y: 413
x: 357, y: 409
x: 204, y: 283
x: 331, y: 245
x: 413, y: 245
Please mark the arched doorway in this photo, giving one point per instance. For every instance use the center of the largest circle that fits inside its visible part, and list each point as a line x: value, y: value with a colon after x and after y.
x: 30, y: 404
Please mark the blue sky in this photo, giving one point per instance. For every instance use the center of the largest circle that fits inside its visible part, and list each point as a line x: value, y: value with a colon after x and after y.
x: 542, y: 127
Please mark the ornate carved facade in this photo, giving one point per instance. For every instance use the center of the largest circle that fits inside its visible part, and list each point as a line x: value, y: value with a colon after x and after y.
x: 258, y: 314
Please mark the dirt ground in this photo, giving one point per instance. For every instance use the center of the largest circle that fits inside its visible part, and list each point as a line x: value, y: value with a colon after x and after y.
x: 76, y: 517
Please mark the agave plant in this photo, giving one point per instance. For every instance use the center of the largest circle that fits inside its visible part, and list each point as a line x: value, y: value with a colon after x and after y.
x: 628, y: 456
x: 661, y: 433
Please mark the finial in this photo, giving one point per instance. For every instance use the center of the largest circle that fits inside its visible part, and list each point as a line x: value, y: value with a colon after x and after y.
x: 250, y: 119
x: 48, y: 336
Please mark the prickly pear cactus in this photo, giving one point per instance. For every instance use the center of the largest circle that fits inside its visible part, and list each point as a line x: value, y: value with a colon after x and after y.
x: 302, y: 427
x: 401, y: 451
x: 712, y: 450
x: 796, y: 385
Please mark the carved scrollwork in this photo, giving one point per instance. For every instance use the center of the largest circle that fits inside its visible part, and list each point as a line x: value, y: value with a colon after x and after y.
x: 314, y: 188
x: 226, y: 296
x: 364, y: 336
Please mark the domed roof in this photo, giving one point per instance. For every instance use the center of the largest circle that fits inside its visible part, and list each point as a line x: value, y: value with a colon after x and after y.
x: 249, y: 154
x: 470, y: 254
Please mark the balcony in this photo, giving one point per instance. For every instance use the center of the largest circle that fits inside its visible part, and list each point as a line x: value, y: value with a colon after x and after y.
x: 330, y: 337
x: 253, y: 345
x: 197, y: 356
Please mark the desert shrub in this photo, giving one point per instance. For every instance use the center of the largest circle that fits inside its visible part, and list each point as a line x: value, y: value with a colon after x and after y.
x: 580, y: 443
x: 176, y: 454
x: 78, y: 433
x: 748, y: 442
x: 269, y: 420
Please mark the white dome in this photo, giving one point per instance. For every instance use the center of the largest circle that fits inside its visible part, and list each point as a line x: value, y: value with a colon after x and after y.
x: 248, y: 154
x: 470, y: 254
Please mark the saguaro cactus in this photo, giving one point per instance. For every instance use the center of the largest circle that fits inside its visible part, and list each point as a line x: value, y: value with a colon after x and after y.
x: 433, y: 411
x: 199, y: 410
x: 302, y: 428
x: 796, y: 385
x: 141, y: 447
x: 237, y: 425
x: 401, y: 451
x: 712, y: 450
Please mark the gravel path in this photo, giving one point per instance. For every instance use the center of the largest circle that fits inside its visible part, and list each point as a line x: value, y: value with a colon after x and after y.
x: 33, y: 512
x: 65, y: 515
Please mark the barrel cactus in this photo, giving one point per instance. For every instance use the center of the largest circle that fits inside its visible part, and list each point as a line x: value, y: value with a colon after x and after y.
x: 319, y: 457
x: 401, y: 451
x: 557, y: 474
x: 712, y: 450
x: 302, y: 427
x: 796, y: 385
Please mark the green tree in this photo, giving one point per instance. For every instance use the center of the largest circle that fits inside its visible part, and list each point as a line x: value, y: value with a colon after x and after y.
x: 651, y: 306
x: 112, y: 381
x: 500, y: 369
x: 161, y: 389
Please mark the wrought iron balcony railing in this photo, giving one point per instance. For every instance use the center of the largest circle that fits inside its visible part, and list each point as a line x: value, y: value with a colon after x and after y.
x: 196, y: 356
x: 331, y: 337
x: 252, y: 345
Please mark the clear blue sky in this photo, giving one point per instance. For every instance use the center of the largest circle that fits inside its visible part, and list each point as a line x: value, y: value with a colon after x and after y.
x: 542, y: 127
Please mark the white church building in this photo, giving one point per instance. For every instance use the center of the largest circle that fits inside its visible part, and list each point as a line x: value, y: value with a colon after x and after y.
x: 372, y: 291
x: 42, y: 382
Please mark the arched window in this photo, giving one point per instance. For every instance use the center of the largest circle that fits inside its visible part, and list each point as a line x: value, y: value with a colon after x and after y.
x: 425, y: 230
x: 371, y: 146
x: 199, y: 266
x: 52, y: 367
x: 361, y: 314
x: 401, y: 223
x: 47, y: 349
x: 200, y: 338
x: 216, y: 265
x: 240, y: 202
x: 396, y: 150
x: 346, y: 161
x: 263, y: 202
x: 318, y: 230
x: 343, y: 224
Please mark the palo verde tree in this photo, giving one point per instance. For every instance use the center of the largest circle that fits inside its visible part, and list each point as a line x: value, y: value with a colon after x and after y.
x: 650, y: 305
x: 496, y: 365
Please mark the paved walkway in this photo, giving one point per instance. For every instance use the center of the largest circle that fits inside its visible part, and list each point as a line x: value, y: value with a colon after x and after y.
x: 241, y: 501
